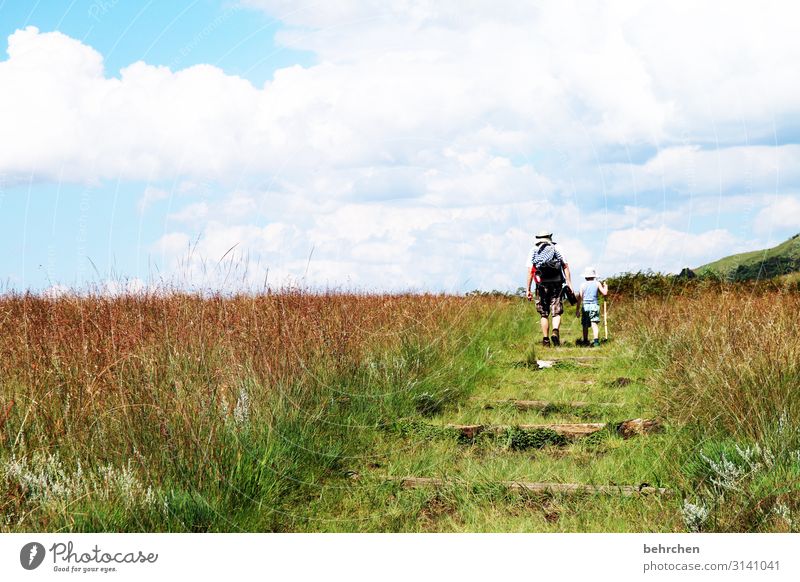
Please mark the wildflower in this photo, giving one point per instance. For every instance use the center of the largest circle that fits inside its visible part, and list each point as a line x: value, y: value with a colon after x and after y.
x: 727, y: 473
x: 694, y: 516
x: 241, y: 412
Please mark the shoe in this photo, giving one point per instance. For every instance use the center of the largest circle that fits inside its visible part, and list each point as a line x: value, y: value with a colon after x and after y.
x: 596, y: 344
x: 555, y: 338
x: 546, y: 342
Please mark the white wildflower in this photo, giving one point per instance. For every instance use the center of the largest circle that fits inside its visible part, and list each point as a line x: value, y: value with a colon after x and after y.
x: 44, y: 479
x: 150, y: 497
x: 750, y: 456
x: 694, y: 516
x: 783, y: 512
x: 727, y: 473
x: 241, y: 412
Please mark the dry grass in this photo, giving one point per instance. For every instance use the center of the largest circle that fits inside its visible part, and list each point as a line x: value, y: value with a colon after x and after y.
x: 726, y: 371
x: 212, y: 404
x: 730, y: 362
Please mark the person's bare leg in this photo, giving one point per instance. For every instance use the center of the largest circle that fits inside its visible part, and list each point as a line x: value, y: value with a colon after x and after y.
x: 545, y: 328
x: 595, y: 330
x: 556, y: 322
x: 586, y: 335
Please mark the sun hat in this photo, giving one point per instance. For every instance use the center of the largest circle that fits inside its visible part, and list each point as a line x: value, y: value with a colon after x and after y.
x: 545, y: 234
x: 590, y: 272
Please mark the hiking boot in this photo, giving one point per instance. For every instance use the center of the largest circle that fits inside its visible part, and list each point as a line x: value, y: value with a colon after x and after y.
x: 555, y: 338
x: 596, y: 343
x: 546, y: 342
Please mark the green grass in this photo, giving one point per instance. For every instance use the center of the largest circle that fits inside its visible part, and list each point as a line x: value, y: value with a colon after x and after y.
x: 762, y: 264
x: 321, y: 450
x: 472, y: 500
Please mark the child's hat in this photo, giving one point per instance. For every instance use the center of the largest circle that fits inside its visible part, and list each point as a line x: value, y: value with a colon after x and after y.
x: 589, y: 272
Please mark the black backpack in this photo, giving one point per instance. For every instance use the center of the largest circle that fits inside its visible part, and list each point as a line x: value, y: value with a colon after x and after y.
x: 550, y: 271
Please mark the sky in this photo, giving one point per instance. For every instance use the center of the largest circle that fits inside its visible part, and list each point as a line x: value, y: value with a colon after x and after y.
x: 389, y: 145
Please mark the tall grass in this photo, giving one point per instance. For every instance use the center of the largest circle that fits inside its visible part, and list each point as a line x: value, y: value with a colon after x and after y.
x: 180, y: 412
x: 727, y: 371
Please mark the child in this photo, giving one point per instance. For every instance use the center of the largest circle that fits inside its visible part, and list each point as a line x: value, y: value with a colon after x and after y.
x: 588, y: 308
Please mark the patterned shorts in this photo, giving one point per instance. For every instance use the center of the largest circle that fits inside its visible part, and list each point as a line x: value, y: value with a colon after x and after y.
x: 590, y: 314
x: 548, y: 299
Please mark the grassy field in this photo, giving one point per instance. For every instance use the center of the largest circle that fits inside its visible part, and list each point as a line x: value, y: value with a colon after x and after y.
x: 762, y: 264
x: 299, y: 412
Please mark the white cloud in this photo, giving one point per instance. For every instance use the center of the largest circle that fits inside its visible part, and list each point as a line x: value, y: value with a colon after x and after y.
x: 151, y: 195
x: 173, y: 244
x: 692, y: 170
x: 783, y: 212
x: 635, y: 249
x: 432, y: 137
x: 193, y: 213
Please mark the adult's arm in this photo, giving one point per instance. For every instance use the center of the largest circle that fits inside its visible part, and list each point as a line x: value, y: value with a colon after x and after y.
x: 568, y: 276
x: 530, y: 280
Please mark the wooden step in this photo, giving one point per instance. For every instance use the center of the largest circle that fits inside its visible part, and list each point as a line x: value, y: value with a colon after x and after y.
x: 528, y: 487
x: 625, y: 429
x: 570, y: 430
x: 545, y: 404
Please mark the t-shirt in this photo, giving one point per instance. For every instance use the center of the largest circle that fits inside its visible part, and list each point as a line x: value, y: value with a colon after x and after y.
x: 588, y: 292
x: 547, y: 253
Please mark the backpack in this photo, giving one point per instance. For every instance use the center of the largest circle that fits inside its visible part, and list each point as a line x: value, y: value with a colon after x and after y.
x: 548, y: 265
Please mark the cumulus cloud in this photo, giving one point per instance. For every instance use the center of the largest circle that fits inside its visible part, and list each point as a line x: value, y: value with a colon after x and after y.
x: 633, y: 248
x: 432, y: 137
x: 150, y: 196
x: 693, y: 170
x: 783, y: 212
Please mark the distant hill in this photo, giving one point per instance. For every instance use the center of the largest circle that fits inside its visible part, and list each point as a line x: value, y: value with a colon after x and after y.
x: 764, y: 264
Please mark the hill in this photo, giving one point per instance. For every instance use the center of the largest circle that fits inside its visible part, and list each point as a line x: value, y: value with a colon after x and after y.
x: 762, y: 264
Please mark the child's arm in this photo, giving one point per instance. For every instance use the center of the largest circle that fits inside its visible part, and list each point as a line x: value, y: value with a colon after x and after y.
x: 602, y: 287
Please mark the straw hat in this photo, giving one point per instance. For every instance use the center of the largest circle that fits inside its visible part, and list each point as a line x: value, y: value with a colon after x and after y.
x: 545, y: 234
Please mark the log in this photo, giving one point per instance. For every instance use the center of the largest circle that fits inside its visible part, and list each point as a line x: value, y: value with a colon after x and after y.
x: 531, y: 487
x: 626, y: 429
x: 571, y: 430
x: 470, y: 431
x: 638, y: 426
x: 545, y: 404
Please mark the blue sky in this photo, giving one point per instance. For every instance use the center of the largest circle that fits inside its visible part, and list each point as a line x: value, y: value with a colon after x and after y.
x: 388, y: 145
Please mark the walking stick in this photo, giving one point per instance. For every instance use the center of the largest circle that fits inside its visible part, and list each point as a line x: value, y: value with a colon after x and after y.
x: 605, y: 318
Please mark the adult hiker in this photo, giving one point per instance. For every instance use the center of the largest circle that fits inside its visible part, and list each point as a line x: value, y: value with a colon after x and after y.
x: 549, y: 269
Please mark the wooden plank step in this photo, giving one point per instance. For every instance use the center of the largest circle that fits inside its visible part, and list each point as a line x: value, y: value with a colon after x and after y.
x: 626, y: 429
x: 545, y: 404
x: 570, y: 430
x: 528, y: 487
